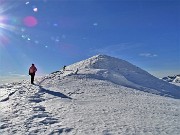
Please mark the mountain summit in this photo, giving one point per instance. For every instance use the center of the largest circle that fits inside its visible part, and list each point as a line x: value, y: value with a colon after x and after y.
x: 123, y: 73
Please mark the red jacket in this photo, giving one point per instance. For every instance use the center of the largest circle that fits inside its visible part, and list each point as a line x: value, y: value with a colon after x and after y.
x: 32, y: 70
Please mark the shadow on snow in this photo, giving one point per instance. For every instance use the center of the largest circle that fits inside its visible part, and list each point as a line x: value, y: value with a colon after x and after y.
x: 57, y: 94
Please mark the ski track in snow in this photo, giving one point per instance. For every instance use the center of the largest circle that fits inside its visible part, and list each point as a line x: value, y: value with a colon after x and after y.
x: 68, y: 103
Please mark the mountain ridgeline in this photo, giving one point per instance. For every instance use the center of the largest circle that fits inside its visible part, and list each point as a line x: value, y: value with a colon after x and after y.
x: 122, y: 73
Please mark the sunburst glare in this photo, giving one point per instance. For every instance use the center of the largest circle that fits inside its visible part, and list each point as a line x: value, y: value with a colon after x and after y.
x: 10, y: 25
x: 4, y: 24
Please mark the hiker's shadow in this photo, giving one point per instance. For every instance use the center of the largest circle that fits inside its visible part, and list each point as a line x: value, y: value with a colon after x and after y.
x: 57, y: 94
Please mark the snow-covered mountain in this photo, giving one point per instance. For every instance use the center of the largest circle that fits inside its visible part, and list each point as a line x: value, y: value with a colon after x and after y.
x: 172, y: 79
x: 120, y: 72
x: 98, y: 96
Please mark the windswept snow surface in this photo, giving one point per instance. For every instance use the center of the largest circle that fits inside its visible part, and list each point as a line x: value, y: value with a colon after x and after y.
x: 89, y: 101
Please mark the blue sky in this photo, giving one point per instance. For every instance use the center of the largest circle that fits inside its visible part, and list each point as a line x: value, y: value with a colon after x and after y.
x: 53, y: 33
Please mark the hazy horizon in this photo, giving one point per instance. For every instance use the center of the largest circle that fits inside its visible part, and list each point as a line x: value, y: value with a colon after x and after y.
x: 16, y: 78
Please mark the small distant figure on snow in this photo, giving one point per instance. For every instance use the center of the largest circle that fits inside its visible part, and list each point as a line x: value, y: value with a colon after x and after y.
x: 32, y: 71
x: 64, y: 68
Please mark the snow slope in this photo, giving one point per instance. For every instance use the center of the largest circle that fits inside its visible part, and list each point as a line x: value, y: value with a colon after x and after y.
x: 123, y: 73
x: 99, y: 98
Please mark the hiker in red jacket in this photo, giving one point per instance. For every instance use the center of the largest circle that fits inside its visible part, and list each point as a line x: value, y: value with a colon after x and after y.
x: 32, y: 71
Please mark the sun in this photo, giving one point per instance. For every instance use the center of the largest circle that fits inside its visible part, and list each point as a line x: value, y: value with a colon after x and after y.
x: 9, y: 24
x: 12, y: 25
x: 4, y: 27
x: 4, y: 23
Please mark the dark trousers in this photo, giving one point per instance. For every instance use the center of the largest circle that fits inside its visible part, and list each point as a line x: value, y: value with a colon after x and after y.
x: 32, y: 78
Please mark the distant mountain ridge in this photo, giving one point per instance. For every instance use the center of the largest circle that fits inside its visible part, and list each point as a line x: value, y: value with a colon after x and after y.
x: 123, y: 73
x: 172, y: 79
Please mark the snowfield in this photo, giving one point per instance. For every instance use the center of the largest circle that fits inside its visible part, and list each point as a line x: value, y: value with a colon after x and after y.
x: 98, y: 96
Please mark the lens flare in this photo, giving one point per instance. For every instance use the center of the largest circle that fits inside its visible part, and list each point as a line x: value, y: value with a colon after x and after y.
x: 30, y: 21
x: 35, y: 9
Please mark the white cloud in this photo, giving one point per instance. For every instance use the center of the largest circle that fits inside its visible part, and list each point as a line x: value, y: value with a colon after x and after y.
x: 116, y: 48
x: 148, y: 55
x: 95, y: 24
x: 16, y: 75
